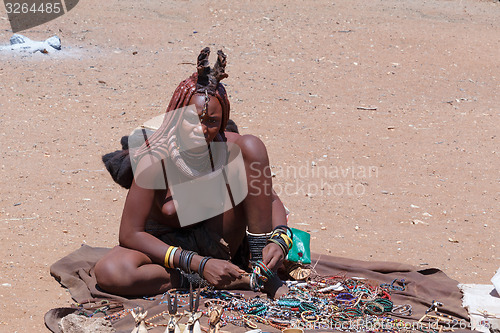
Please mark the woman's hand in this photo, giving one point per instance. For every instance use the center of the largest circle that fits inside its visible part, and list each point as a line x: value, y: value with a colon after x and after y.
x: 272, y: 256
x: 220, y: 273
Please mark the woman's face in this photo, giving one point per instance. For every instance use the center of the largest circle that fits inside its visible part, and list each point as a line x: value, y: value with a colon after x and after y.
x: 197, y: 127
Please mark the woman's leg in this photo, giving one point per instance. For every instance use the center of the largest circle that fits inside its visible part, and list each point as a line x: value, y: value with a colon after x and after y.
x: 261, y: 210
x: 258, y: 202
x: 131, y: 273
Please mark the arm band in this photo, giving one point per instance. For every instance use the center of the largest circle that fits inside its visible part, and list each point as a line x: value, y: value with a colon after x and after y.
x: 167, y: 256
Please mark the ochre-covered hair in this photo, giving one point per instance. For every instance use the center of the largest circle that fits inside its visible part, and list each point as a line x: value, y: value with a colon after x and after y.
x: 205, y: 80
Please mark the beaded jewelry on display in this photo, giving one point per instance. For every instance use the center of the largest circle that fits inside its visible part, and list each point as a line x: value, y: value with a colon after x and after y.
x: 320, y: 302
x: 260, y: 275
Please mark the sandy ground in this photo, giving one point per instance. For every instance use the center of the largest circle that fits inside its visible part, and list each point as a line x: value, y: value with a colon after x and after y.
x: 414, y: 178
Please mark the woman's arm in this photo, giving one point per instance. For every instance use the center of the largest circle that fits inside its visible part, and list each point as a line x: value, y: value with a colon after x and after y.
x: 279, y: 212
x: 272, y: 254
x: 132, y: 233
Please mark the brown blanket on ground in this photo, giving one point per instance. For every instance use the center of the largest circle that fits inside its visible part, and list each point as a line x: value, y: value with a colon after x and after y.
x: 75, y: 272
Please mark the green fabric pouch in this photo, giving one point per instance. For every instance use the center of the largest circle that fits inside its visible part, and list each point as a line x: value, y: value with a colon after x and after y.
x: 301, y: 249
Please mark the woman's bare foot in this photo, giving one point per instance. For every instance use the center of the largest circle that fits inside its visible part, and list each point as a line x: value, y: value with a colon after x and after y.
x: 274, y: 287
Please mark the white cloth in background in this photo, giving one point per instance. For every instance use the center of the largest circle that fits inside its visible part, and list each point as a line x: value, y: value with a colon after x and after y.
x: 496, y: 281
x: 24, y: 44
x: 482, y: 301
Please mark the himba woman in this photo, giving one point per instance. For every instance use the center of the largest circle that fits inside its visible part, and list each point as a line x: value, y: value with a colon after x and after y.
x: 157, y: 251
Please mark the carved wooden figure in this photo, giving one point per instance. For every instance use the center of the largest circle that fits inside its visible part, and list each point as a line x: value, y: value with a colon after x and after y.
x: 214, y: 316
x: 140, y: 325
x: 173, y: 316
x: 193, y: 323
